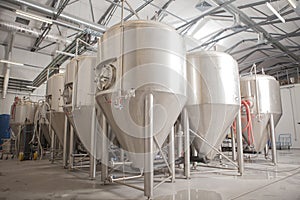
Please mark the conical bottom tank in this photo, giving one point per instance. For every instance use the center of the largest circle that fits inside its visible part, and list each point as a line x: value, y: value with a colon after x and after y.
x: 213, y: 100
x: 212, y: 122
x: 128, y: 123
x: 57, y: 121
x: 263, y: 96
x: 138, y: 58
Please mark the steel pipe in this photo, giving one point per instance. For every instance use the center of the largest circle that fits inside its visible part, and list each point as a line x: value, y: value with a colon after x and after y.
x: 273, y: 140
x: 186, y: 132
x: 239, y: 139
x: 149, y: 142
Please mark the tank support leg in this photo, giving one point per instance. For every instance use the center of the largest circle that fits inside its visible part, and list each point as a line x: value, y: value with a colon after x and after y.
x: 148, y: 162
x: 66, y: 143
x: 172, y: 154
x: 93, y: 158
x: 273, y: 140
x: 233, y: 146
x: 104, y: 152
x: 52, y: 146
x: 239, y: 143
x: 72, y: 144
x: 186, y: 132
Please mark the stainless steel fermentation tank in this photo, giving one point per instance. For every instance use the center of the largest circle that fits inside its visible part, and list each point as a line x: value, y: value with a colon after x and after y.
x: 56, y: 118
x: 141, y: 73
x: 263, y: 94
x: 79, y: 96
x: 22, y: 112
x: 214, y: 98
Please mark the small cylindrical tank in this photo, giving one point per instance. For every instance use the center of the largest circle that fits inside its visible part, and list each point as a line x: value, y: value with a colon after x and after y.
x: 71, y: 70
x: 55, y: 87
x: 214, y: 97
x: 22, y: 111
x: 263, y: 94
x: 56, y: 117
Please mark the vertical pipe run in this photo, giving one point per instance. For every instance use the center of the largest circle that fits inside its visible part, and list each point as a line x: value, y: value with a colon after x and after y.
x: 93, y: 160
x: 172, y: 154
x: 233, y: 146
x: 239, y: 143
x: 148, y: 159
x: 104, y: 157
x: 273, y: 140
x: 186, y: 133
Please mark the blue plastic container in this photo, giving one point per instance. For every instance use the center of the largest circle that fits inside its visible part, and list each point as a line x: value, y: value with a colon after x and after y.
x: 4, y: 128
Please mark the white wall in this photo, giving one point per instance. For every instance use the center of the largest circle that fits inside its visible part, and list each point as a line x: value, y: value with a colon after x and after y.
x: 290, y: 98
x: 22, y: 72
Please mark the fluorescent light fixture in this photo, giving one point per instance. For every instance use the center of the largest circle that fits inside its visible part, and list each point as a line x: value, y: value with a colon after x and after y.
x: 12, y: 63
x: 275, y: 12
x: 33, y: 16
x: 293, y: 3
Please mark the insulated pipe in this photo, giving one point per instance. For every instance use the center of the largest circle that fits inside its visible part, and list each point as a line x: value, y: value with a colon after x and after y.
x: 31, y: 32
x: 51, y: 12
x: 7, y: 65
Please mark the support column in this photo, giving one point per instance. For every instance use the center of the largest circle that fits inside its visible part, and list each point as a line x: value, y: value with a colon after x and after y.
x: 52, y: 146
x: 172, y: 153
x: 93, y: 156
x: 148, y: 177
x: 186, y: 132
x: 104, y: 157
x: 71, y: 156
x: 273, y: 140
x: 233, y: 146
x: 239, y: 139
x: 66, y: 143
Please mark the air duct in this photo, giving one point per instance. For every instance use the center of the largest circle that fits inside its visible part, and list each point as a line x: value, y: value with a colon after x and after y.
x: 31, y: 32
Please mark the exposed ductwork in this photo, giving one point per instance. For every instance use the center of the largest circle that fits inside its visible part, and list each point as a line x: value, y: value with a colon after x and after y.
x: 8, y: 26
x: 8, y: 56
x: 51, y: 12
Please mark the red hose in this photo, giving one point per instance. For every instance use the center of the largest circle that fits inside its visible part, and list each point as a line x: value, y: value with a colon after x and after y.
x: 248, y: 127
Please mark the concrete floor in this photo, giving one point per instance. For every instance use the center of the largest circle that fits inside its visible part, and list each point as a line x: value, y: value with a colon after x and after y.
x: 42, y: 180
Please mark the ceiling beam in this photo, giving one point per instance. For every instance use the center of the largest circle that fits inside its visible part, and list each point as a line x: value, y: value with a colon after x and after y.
x: 249, y: 22
x: 45, y: 32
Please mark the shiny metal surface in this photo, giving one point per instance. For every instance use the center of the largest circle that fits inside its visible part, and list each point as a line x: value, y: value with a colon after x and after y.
x: 79, y: 81
x: 262, y: 91
x: 55, y: 86
x: 214, y: 97
x: 136, y: 59
x: 22, y: 113
x: 57, y: 124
